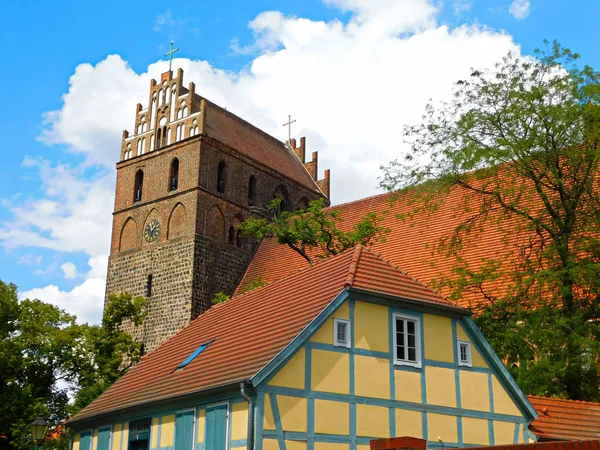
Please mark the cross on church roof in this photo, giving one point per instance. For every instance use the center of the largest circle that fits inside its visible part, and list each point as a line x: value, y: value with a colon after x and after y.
x: 170, y: 53
x: 289, y: 125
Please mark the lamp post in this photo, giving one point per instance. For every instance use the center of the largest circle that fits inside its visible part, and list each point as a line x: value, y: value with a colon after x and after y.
x: 39, y: 427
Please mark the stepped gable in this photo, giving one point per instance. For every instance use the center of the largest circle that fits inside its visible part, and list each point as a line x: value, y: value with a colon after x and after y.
x: 254, y: 143
x: 251, y: 329
x: 410, y: 243
x: 561, y: 419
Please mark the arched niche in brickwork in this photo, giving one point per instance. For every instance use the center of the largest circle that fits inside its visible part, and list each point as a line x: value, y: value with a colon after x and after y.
x: 129, y: 235
x: 281, y: 192
x: 302, y: 204
x: 215, y: 224
x: 234, y: 234
x: 177, y: 221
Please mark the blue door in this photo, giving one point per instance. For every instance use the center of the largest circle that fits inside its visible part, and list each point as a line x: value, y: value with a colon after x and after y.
x: 85, y: 441
x: 216, y: 427
x: 184, y: 431
x: 103, y: 438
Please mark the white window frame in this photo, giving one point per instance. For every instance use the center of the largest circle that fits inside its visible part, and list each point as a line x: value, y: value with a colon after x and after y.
x: 469, y: 361
x: 348, y: 333
x: 400, y: 362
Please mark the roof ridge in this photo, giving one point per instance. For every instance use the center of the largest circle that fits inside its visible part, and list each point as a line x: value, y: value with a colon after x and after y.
x: 566, y: 400
x: 353, y: 265
x: 359, y: 200
x: 406, y: 274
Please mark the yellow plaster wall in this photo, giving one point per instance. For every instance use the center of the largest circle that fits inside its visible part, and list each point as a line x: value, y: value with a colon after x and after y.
x: 520, y: 436
x: 373, y: 421
x: 503, y: 404
x: 372, y: 376
x: 291, y: 375
x: 325, y: 332
x: 95, y: 440
x: 474, y: 391
x: 503, y: 432
x: 332, y: 417
x: 476, y: 357
x: 167, y: 430
x: 292, y: 412
x: 438, y: 344
x: 363, y: 447
x: 407, y: 386
x: 154, y: 433
x: 268, y: 421
x: 371, y: 323
x: 201, y: 425
x: 331, y: 446
x: 116, y: 436
x: 330, y: 371
x: 442, y: 426
x: 270, y: 444
x: 409, y: 423
x: 440, y: 386
x: 295, y: 445
x: 475, y: 431
x: 76, y: 439
x: 239, y: 421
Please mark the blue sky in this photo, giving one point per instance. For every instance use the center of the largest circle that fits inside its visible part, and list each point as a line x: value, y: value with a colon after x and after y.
x: 351, y: 71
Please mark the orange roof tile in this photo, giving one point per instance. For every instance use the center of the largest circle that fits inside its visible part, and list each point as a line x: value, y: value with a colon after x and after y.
x: 410, y: 243
x: 251, y: 329
x: 565, y: 419
x: 254, y: 143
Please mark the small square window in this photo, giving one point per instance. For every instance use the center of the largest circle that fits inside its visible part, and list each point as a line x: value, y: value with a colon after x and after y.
x: 464, y: 354
x: 341, y: 333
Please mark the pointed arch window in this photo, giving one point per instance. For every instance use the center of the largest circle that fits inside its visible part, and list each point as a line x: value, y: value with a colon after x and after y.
x: 221, y: 177
x: 174, y: 175
x: 252, y: 190
x: 138, y: 186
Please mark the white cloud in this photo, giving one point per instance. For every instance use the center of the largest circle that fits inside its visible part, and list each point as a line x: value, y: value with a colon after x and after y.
x: 351, y: 88
x: 461, y: 6
x: 519, y: 9
x: 86, y: 300
x: 164, y: 20
x: 69, y: 270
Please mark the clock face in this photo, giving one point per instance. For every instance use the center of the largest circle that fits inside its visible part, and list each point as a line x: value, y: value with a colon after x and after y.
x: 152, y: 230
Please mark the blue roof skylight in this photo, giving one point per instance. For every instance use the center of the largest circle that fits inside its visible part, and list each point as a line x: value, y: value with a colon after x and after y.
x: 195, y: 353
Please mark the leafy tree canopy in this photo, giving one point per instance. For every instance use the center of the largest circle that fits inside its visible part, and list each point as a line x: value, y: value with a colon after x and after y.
x: 316, y: 228
x: 52, y: 365
x: 521, y: 143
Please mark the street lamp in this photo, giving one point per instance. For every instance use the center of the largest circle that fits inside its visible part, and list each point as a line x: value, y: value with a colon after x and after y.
x: 39, y: 427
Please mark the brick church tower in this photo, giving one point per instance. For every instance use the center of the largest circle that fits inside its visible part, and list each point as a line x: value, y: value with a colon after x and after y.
x: 188, y: 176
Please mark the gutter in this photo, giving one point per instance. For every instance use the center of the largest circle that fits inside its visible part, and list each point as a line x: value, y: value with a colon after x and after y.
x: 250, y: 433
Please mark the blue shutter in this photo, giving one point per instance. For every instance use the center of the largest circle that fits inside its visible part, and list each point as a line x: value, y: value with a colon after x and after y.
x: 216, y: 427
x: 103, y: 438
x: 85, y: 440
x: 184, y: 431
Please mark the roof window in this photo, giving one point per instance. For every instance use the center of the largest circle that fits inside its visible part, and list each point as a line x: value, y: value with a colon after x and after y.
x: 194, y: 354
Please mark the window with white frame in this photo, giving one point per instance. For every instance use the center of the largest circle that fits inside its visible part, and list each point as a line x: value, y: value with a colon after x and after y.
x: 341, y: 333
x: 464, y: 354
x: 407, y: 340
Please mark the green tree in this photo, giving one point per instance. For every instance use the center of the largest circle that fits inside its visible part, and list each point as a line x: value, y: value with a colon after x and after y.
x: 45, y: 356
x: 520, y: 142
x: 316, y: 228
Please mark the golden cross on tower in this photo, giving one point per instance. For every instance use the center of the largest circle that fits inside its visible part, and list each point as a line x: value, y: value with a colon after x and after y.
x: 289, y: 125
x: 170, y: 54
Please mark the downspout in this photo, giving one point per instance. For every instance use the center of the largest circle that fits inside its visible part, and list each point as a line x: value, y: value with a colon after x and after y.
x: 250, y: 434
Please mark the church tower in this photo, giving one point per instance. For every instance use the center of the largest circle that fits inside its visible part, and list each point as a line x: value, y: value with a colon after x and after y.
x: 188, y: 176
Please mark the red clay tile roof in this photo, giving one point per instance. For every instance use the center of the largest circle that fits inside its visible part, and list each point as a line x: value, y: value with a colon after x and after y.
x: 565, y: 445
x: 410, y: 243
x: 235, y: 132
x: 249, y: 330
x: 560, y: 419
